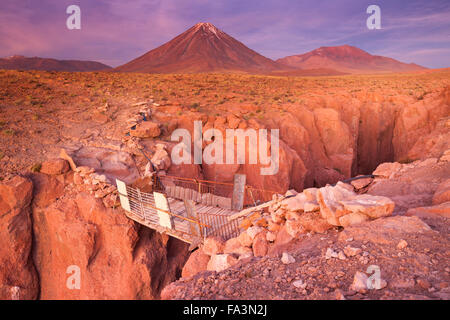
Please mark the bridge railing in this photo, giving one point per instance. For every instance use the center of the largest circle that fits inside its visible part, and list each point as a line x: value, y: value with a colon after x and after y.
x: 179, y: 219
x: 251, y: 195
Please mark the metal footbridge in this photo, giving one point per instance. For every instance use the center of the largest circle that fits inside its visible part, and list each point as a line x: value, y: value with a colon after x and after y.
x: 191, y: 209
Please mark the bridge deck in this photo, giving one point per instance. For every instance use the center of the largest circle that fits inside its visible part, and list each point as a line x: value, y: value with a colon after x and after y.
x: 186, y: 220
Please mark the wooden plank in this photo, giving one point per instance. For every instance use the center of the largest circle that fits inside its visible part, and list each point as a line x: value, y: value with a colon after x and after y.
x: 250, y: 210
x: 237, y: 202
x: 178, y: 208
x: 178, y: 192
x: 194, y: 228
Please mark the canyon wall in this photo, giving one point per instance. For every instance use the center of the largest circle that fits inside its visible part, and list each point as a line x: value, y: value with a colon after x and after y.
x: 333, y: 137
x: 59, y: 233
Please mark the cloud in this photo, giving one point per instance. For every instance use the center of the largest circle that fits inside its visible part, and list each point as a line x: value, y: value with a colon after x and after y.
x: 116, y: 31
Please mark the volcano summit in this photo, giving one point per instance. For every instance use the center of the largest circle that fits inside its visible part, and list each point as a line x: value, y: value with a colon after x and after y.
x: 202, y: 48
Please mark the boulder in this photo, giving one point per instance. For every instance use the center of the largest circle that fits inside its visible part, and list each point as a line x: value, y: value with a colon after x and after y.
x: 329, y: 200
x: 161, y: 159
x: 313, y: 221
x: 260, y: 245
x: 359, y: 283
x: 295, y: 203
x: 352, y: 219
x: 387, y: 169
x: 310, y: 194
x: 340, y: 206
x: 146, y: 129
x: 311, y: 206
x: 254, y: 231
x: 286, y: 258
x: 233, y: 245
x: 361, y: 183
x: 294, y: 228
x: 197, y: 262
x: 55, y: 166
x: 371, y: 206
x: 213, y: 246
x: 220, y: 262
x: 442, y: 194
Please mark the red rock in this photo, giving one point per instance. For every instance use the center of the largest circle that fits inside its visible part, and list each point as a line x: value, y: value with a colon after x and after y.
x: 337, y: 139
x: 213, y: 245
x: 245, y: 240
x: 77, y: 178
x: 220, y: 262
x: 46, y: 189
x: 313, y: 221
x: 197, y: 262
x: 18, y: 276
x: 423, y: 283
x: 359, y: 282
x: 442, y: 209
x: 111, y: 201
x: 273, y: 227
x: 55, y: 166
x: 352, y: 218
x: 329, y: 200
x: 64, y: 155
x: 442, y: 193
x: 146, y: 129
x: 387, y: 169
x: 15, y: 193
x: 295, y: 203
x: 389, y: 230
x: 294, y: 228
x: 233, y: 245
x: 254, y: 231
x: 260, y: 245
x: 111, y: 251
x: 371, y: 206
x: 283, y: 237
x: 361, y: 183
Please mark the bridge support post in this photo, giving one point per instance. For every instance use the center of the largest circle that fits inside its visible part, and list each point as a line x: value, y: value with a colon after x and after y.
x: 237, y: 202
x: 123, y: 195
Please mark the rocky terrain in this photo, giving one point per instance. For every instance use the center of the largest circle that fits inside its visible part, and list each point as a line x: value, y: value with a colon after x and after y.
x: 326, y: 244
x: 65, y: 137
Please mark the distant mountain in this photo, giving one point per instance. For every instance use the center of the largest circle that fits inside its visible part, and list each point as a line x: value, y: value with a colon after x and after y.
x: 36, y: 63
x: 347, y: 59
x: 308, y: 72
x: 202, y: 48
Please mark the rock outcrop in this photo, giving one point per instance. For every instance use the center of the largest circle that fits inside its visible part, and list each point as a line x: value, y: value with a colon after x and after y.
x: 18, y: 277
x: 84, y: 246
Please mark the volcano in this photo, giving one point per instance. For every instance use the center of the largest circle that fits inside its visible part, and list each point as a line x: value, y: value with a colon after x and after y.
x: 347, y: 59
x: 202, y: 48
x: 17, y: 62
